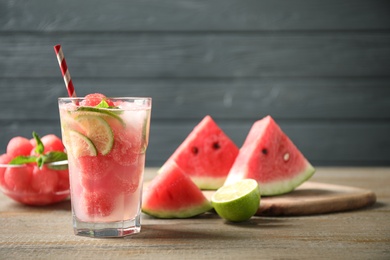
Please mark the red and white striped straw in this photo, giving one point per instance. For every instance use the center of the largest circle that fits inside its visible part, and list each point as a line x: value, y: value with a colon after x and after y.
x: 65, y: 71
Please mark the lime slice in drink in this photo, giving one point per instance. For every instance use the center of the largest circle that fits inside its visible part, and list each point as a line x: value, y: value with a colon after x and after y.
x: 107, y: 113
x: 98, y: 131
x: 80, y: 145
x: 238, y: 201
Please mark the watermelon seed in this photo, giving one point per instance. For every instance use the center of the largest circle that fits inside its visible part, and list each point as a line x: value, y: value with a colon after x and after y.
x: 286, y: 156
x: 264, y: 151
x: 216, y: 146
x: 195, y: 150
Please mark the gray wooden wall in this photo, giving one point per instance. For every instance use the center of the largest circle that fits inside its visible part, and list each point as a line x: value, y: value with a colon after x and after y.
x: 320, y: 68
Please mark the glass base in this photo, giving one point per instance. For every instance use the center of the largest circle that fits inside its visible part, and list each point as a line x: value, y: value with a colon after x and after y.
x: 107, y: 229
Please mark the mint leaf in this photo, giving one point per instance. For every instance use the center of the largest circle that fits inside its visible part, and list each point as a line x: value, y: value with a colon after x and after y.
x: 49, y: 157
x: 55, y: 156
x: 23, y: 160
x: 40, y: 161
x: 40, y: 147
x: 102, y: 104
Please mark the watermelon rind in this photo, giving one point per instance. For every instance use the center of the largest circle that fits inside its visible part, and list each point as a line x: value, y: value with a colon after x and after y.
x: 188, y: 212
x: 285, y: 186
x: 172, y: 194
x: 276, y: 187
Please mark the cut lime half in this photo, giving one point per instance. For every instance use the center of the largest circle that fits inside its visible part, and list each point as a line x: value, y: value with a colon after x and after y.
x: 98, y: 131
x: 80, y: 145
x: 238, y: 201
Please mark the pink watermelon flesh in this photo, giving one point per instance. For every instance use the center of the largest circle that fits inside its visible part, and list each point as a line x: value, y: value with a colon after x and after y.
x: 271, y: 158
x: 206, y: 155
x: 172, y: 194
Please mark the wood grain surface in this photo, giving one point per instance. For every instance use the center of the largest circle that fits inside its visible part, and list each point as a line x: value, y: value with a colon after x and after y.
x: 317, y: 198
x: 207, y: 55
x: 314, y: 198
x: 46, y: 232
x: 217, y: 15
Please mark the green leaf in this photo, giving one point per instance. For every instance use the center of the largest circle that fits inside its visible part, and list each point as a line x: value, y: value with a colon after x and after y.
x: 40, y: 161
x: 55, y: 156
x: 50, y: 157
x: 40, y: 147
x: 102, y: 104
x: 23, y: 160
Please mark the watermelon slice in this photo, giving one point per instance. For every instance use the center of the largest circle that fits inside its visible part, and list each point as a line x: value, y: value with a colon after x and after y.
x: 206, y: 155
x: 272, y: 159
x: 172, y: 194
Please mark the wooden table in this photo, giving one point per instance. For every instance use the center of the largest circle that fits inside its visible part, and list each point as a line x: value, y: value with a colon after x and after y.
x: 46, y: 232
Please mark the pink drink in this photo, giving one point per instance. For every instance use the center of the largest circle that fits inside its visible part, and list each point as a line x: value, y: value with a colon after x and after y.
x: 106, y: 155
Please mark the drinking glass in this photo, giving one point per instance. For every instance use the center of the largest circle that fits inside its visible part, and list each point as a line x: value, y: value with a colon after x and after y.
x: 106, y: 146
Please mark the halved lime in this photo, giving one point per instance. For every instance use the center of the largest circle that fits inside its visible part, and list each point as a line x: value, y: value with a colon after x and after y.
x: 98, y: 131
x: 238, y: 201
x: 80, y: 145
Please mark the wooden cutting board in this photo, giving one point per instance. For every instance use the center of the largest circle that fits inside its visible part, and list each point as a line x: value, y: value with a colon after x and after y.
x: 314, y: 198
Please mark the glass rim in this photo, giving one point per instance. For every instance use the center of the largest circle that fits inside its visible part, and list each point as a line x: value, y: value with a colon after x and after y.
x: 119, y: 97
x: 57, y: 163
x: 31, y: 193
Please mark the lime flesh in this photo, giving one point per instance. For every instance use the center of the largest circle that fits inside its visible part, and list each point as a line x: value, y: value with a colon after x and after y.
x: 80, y: 145
x: 98, y: 131
x: 237, y: 202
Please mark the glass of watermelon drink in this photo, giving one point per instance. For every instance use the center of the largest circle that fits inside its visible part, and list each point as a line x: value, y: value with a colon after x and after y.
x: 106, y: 141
